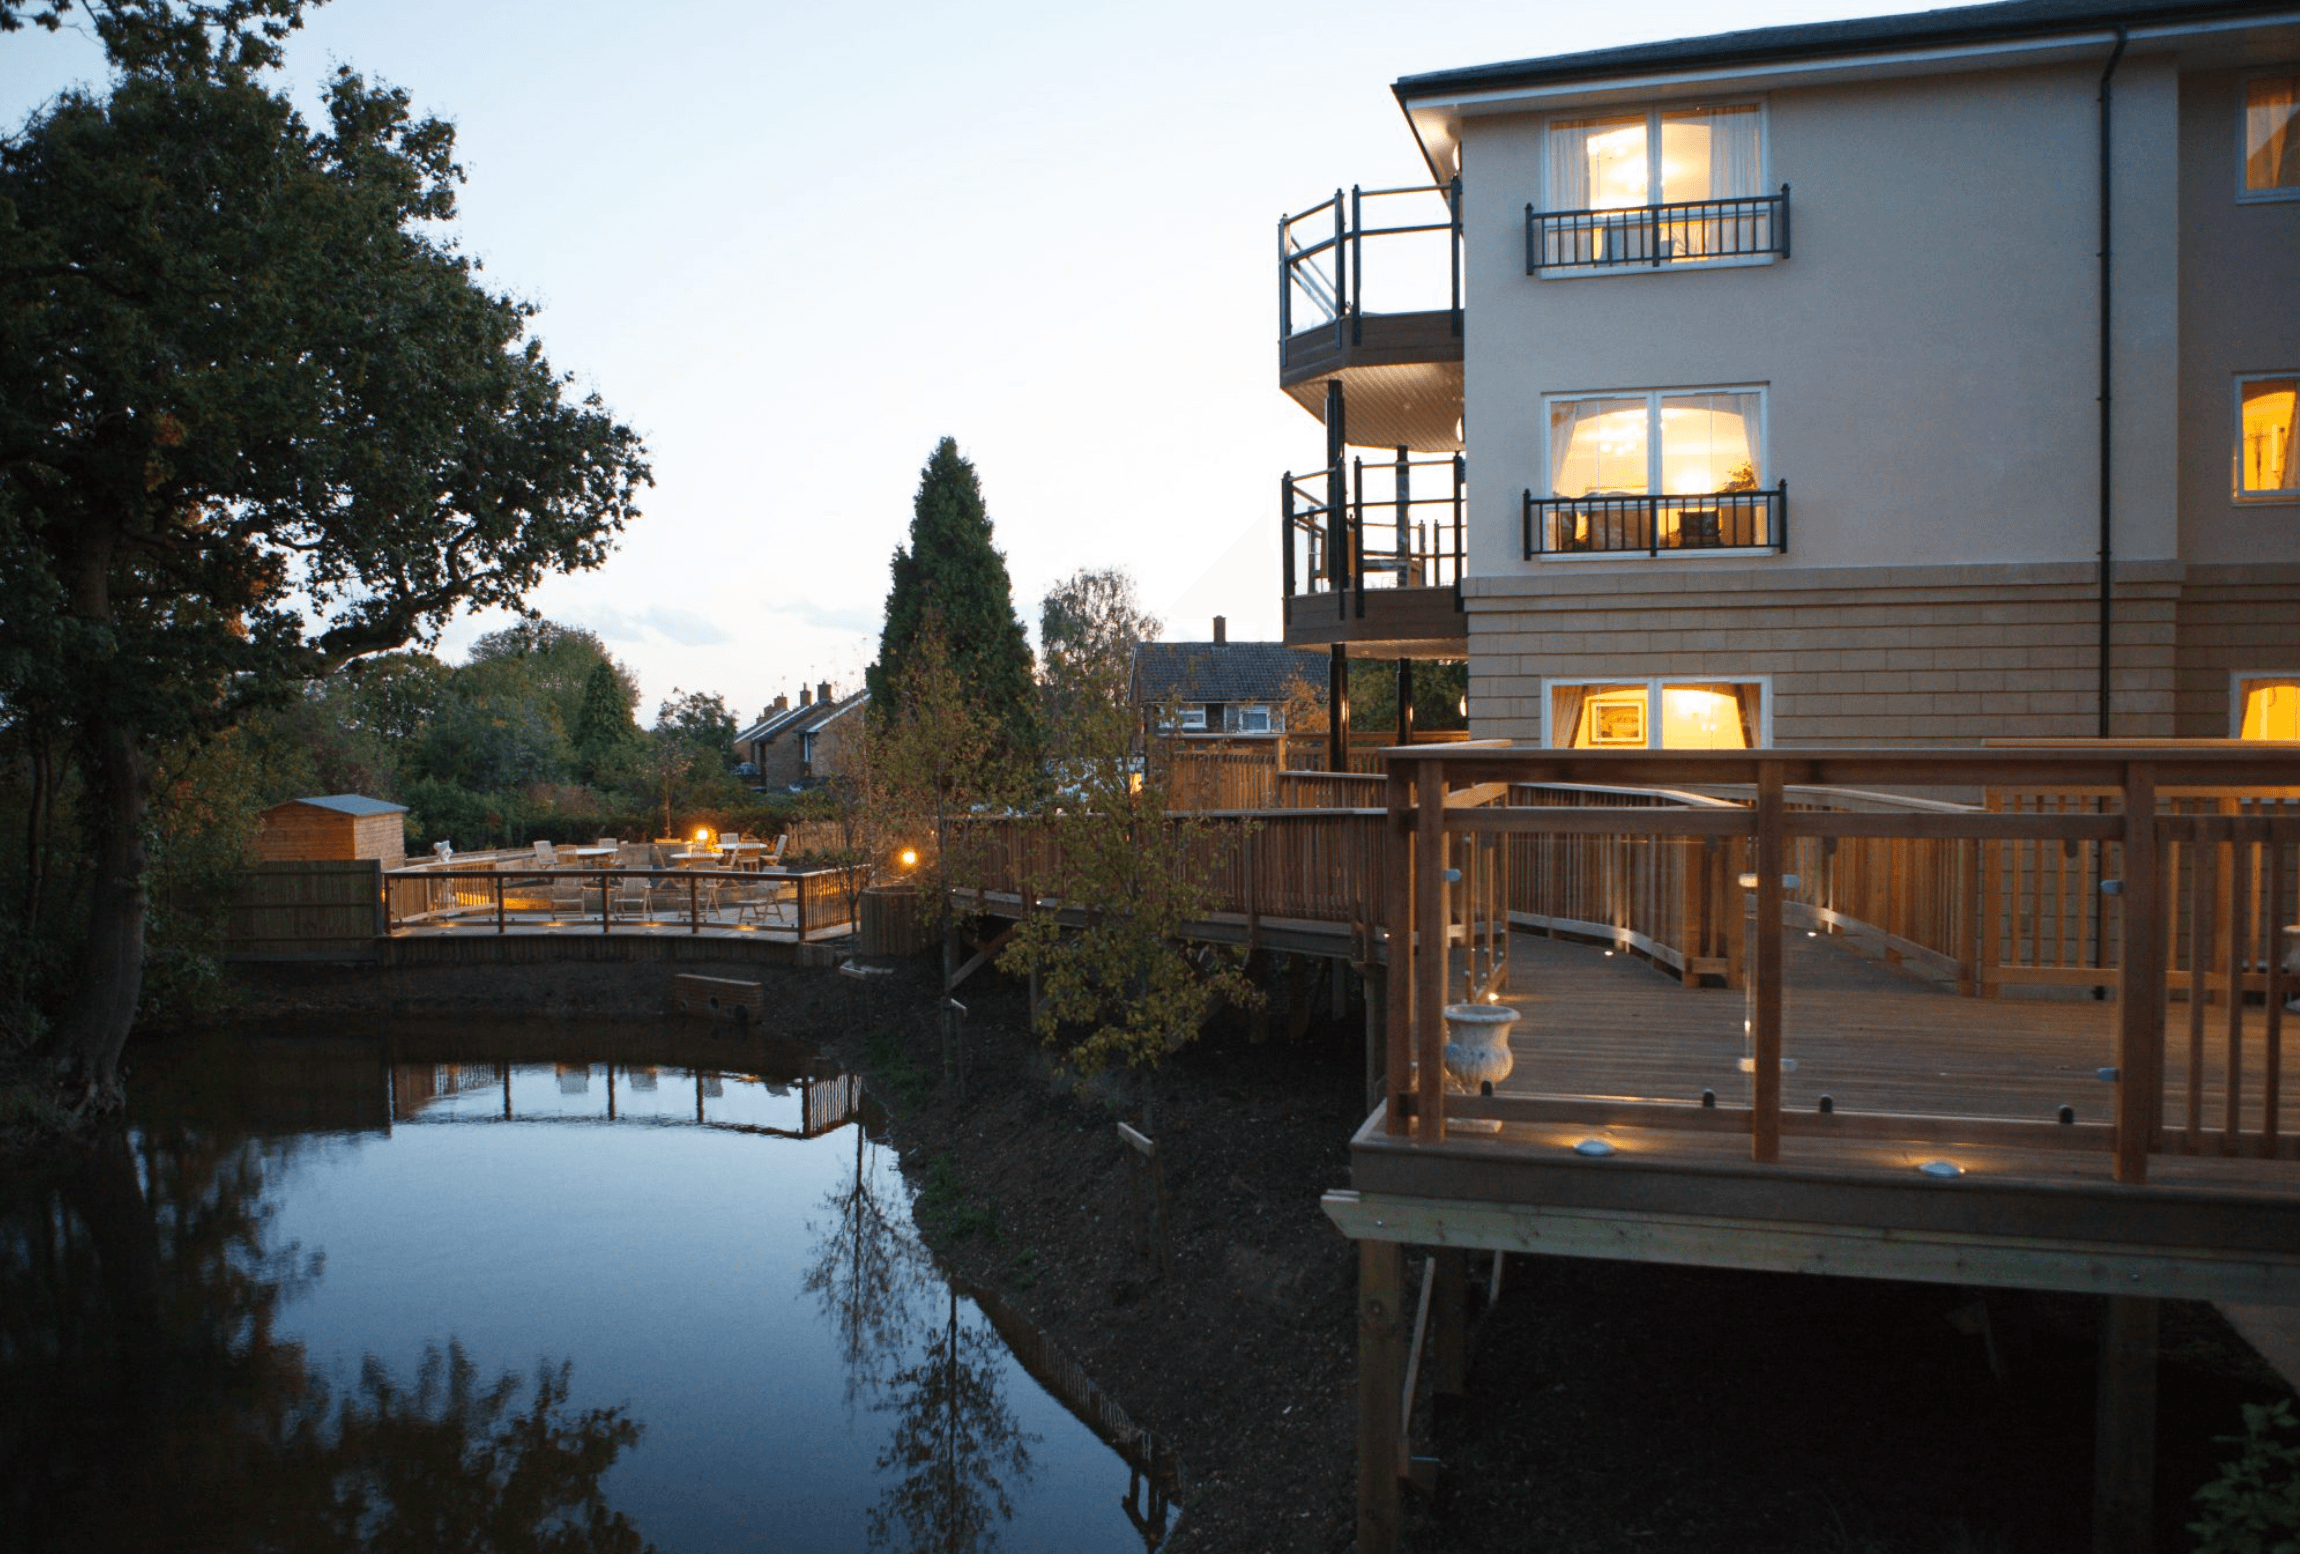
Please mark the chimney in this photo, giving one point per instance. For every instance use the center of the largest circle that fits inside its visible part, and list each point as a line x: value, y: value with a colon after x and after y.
x: 823, y: 692
x: 806, y: 697
x: 1221, y: 629
x: 782, y: 704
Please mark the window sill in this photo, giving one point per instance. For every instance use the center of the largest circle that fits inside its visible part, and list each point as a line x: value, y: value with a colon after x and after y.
x: 2266, y: 498
x: 1666, y: 553
x: 1585, y: 272
x: 2267, y: 196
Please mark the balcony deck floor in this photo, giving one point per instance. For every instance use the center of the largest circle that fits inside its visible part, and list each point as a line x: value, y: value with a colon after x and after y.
x: 1871, y: 1036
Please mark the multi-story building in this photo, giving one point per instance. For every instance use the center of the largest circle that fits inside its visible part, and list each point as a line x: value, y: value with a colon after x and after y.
x: 1916, y: 379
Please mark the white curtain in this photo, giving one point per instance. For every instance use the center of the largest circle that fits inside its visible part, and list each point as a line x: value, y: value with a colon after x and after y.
x: 1565, y: 417
x: 1565, y: 716
x: 1733, y: 152
x: 2272, y: 134
x: 1569, y: 164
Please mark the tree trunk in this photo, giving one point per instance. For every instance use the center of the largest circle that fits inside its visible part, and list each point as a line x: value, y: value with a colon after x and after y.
x: 112, y: 965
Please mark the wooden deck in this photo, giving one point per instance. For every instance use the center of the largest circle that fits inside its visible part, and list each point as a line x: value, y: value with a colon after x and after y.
x: 1827, y: 1111
x: 1870, y: 1037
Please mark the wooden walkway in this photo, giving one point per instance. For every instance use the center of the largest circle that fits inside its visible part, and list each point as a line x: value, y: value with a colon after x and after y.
x: 1869, y: 1037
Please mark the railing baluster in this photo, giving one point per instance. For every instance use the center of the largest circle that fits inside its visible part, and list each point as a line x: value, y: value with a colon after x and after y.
x: 2203, y: 869
x: 2239, y: 959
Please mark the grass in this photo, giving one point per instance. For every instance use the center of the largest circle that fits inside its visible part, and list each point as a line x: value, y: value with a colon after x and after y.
x: 945, y: 1208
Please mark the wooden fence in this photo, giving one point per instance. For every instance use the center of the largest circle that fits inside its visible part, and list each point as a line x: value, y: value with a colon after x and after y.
x: 328, y: 910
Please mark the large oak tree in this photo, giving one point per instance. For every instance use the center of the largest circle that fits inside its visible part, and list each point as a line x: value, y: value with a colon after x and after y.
x: 258, y: 418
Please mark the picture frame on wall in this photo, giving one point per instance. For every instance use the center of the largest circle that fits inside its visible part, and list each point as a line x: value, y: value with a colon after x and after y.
x: 1618, y: 723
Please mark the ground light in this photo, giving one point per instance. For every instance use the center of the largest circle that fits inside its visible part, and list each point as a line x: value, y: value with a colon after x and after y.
x: 1595, y: 1148
x: 1941, y: 1168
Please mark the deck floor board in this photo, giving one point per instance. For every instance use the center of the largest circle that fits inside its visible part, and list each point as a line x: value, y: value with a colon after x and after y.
x: 1867, y: 1035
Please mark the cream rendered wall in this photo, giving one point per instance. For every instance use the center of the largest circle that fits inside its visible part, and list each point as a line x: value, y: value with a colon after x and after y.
x: 2239, y: 312
x: 1928, y: 351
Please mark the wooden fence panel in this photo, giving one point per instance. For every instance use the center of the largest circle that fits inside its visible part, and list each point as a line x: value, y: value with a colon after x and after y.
x: 328, y: 910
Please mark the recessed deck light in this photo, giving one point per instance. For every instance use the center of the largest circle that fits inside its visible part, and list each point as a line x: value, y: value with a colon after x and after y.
x: 1594, y: 1148
x: 1942, y: 1168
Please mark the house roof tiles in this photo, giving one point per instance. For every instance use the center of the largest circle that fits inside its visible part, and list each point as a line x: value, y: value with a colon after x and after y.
x: 1222, y: 671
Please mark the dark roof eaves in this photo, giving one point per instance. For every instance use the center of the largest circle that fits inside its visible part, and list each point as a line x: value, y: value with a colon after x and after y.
x: 2003, y: 23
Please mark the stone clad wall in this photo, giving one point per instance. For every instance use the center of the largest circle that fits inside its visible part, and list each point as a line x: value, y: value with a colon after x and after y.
x: 1887, y: 655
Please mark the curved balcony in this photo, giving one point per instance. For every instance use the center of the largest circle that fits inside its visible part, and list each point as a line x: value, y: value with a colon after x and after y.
x: 1393, y: 345
x: 1373, y: 556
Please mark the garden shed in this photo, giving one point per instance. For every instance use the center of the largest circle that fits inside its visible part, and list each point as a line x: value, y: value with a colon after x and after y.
x: 336, y: 826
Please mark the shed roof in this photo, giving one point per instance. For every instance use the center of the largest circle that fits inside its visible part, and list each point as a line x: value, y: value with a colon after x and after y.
x: 1223, y: 671
x: 349, y: 804
x: 1951, y: 26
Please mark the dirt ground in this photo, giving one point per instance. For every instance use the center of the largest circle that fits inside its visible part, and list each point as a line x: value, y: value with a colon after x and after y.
x: 1611, y: 1406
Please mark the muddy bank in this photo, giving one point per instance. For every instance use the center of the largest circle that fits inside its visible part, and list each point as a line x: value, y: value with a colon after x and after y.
x: 1610, y: 1406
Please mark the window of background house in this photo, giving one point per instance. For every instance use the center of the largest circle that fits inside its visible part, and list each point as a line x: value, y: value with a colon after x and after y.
x: 1657, y: 714
x: 2271, y: 139
x: 2268, y: 436
x: 1681, y: 444
x: 2267, y: 706
x: 1194, y: 718
x: 1254, y: 719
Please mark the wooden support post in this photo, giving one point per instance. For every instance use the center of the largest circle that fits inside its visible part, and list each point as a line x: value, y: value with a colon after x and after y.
x: 2140, y: 982
x: 1381, y: 1367
x: 1430, y: 971
x: 1377, y: 1037
x: 1449, y: 1336
x: 1398, y: 978
x: 2124, y: 1436
x: 1765, y: 1027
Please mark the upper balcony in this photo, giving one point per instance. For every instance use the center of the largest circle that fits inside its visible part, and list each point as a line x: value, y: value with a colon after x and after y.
x: 1370, y: 294
x: 1373, y: 557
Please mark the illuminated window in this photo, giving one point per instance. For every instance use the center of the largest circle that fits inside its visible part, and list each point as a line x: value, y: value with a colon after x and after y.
x: 2268, y: 437
x: 1634, y: 162
x: 1691, y: 444
x: 1657, y: 714
x: 2271, y: 139
x: 2267, y: 707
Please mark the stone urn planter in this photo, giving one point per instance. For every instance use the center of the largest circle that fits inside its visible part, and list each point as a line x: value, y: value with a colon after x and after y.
x: 1477, y: 1055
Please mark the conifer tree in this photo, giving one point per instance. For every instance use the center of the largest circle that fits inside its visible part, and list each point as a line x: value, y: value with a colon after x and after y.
x: 951, y: 571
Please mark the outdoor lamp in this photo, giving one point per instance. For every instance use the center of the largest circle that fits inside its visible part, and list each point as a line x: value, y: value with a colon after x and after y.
x: 910, y: 857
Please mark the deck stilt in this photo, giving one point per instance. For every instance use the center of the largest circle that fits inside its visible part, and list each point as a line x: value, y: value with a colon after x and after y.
x: 2124, y: 1437
x: 1449, y: 1334
x: 1381, y: 1373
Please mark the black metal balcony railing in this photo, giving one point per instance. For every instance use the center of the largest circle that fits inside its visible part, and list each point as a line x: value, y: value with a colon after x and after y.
x: 1328, y: 268
x: 1339, y: 539
x: 1717, y: 520
x: 1680, y: 233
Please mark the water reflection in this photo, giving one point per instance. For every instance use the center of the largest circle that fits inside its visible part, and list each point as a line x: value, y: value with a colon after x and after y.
x: 147, y: 1392
x: 172, y: 1356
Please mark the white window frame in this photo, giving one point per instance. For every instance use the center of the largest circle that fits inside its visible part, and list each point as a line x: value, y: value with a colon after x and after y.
x: 1191, y: 718
x: 1653, y: 398
x: 1654, y: 685
x: 2285, y: 494
x: 1653, y: 112
x: 1250, y: 709
x: 2236, y: 679
x: 2244, y: 195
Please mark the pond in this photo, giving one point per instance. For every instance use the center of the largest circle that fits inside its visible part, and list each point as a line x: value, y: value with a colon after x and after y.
x: 587, y: 1289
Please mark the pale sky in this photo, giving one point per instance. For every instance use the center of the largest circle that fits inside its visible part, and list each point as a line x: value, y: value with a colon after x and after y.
x: 794, y: 245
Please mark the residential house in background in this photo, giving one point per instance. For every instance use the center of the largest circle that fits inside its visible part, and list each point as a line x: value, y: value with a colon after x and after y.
x: 793, y: 746
x: 1811, y: 385
x: 1221, y: 687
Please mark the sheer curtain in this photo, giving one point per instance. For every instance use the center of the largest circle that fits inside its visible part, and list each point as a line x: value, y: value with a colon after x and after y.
x: 2272, y: 134
x: 1568, y: 242
x: 1565, y: 715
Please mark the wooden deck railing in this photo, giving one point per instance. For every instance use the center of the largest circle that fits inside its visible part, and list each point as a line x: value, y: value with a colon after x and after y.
x: 804, y: 902
x: 2199, y: 904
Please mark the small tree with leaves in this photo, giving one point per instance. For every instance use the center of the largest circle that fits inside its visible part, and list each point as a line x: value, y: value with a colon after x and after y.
x: 1124, y: 985
x: 939, y: 759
